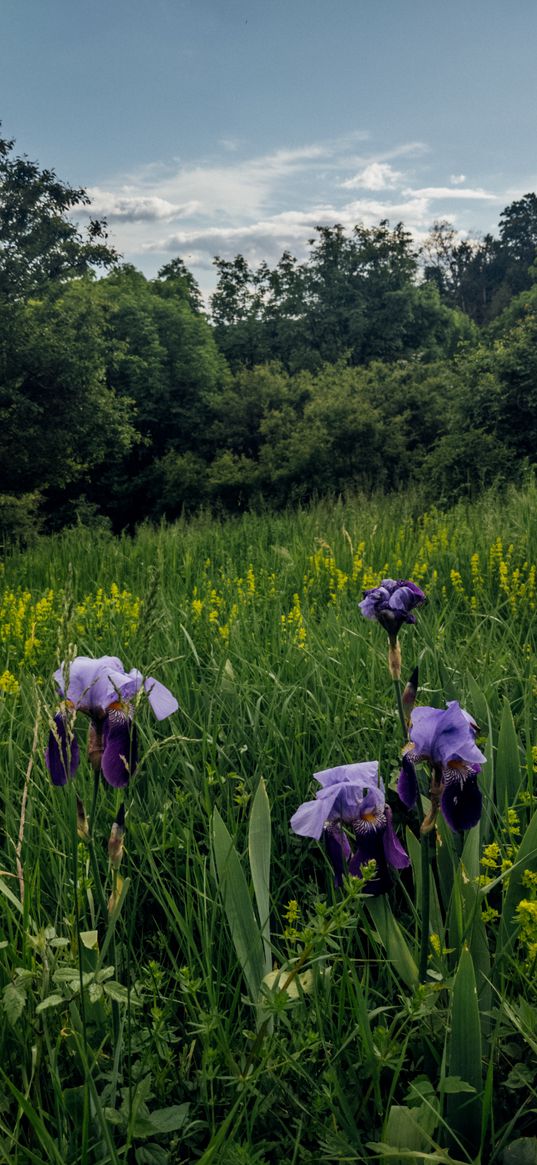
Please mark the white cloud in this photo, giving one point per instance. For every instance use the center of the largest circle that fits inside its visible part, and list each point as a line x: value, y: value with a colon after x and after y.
x: 264, y: 203
x: 447, y: 192
x: 135, y: 207
x: 375, y: 176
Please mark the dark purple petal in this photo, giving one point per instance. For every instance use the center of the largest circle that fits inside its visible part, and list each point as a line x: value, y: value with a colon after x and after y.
x: 120, y: 753
x: 369, y: 848
x: 407, y: 784
x: 392, y: 603
x: 338, y: 850
x: 394, y: 853
x: 461, y: 801
x: 62, y: 754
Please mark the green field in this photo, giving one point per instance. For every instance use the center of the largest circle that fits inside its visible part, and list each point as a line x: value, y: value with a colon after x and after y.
x: 150, y: 1034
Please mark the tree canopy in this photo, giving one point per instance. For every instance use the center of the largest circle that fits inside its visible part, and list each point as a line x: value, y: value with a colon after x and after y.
x: 371, y: 362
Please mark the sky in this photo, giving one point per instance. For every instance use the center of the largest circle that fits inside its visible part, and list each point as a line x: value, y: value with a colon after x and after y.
x: 213, y: 127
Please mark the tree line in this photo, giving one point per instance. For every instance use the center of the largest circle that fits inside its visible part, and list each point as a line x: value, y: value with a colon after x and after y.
x: 369, y: 364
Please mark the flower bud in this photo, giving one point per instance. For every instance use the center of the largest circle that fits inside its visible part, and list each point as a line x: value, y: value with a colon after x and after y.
x: 394, y: 659
x: 116, y: 893
x: 410, y: 693
x: 82, y: 823
x: 115, y: 841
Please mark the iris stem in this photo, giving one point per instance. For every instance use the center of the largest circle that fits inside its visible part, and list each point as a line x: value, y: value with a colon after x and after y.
x: 425, y: 848
x: 400, y: 709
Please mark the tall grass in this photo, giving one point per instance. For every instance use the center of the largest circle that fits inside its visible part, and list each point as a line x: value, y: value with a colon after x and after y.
x: 139, y: 1037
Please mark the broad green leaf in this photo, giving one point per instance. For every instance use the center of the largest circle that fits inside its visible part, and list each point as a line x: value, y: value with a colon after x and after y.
x: 464, y: 1055
x: 521, y: 1152
x: 455, y: 1084
x: 392, y: 939
x: 89, y: 939
x: 239, y: 911
x: 151, y: 1154
x: 119, y: 993
x: 435, y: 914
x: 14, y: 997
x: 471, y: 853
x: 50, y: 1001
x: 403, y: 1132
x: 507, y: 773
x: 259, y: 842
x: 168, y: 1120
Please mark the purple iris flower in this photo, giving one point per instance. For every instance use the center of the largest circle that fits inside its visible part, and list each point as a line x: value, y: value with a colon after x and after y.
x: 444, y: 738
x: 392, y: 603
x: 103, y: 690
x: 352, y: 796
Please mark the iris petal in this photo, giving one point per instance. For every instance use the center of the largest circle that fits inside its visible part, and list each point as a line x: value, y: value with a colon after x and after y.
x: 62, y: 754
x: 338, y: 850
x: 407, y: 784
x: 394, y: 853
x: 160, y: 698
x: 120, y: 752
x: 462, y: 801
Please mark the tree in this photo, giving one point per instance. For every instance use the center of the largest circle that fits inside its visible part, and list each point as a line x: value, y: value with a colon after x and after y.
x: 160, y: 353
x: 174, y: 279
x: 60, y: 418
x: 39, y: 243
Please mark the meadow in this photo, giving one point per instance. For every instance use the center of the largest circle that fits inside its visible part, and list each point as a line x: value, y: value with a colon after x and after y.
x: 229, y: 1005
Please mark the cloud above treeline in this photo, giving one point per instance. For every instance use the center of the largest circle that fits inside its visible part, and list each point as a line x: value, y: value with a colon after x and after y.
x: 261, y: 204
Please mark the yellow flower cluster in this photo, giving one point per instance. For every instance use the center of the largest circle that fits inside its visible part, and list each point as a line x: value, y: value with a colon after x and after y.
x: 103, y: 610
x: 294, y: 624
x: 8, y: 684
x: 29, y: 627
x: 336, y: 577
x: 527, y: 918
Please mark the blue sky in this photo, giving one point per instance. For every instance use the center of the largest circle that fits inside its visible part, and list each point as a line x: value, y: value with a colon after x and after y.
x: 205, y: 127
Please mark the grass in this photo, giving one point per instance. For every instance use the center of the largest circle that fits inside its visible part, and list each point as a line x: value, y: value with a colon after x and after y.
x: 139, y: 1038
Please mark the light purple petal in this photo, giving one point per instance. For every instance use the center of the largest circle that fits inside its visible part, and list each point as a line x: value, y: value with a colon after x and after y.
x: 365, y: 773
x: 445, y: 734
x: 91, y: 684
x: 371, y: 807
x: 310, y: 817
x: 160, y: 698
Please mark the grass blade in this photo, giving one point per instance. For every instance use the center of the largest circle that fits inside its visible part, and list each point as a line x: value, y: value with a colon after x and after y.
x: 259, y: 843
x: 238, y: 907
x: 464, y: 1056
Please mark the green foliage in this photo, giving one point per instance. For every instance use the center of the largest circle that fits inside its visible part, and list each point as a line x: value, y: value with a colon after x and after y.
x: 340, y: 1053
x: 39, y: 243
